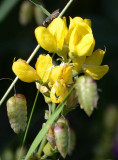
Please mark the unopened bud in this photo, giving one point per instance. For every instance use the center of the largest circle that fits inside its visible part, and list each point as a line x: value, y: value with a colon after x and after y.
x: 17, y: 112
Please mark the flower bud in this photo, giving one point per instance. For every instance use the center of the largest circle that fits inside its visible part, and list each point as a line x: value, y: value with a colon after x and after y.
x: 86, y: 90
x: 61, y: 136
x: 17, y: 112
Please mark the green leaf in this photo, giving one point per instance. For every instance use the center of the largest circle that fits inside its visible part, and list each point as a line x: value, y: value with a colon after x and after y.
x: 5, y: 7
x: 47, y: 125
x: 40, y: 6
x: 86, y: 90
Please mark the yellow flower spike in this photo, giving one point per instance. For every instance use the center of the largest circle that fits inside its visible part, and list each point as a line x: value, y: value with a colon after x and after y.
x: 96, y: 72
x: 43, y: 67
x: 58, y: 91
x: 24, y: 71
x: 96, y: 58
x: 78, y: 62
x: 46, y: 39
x: 57, y: 28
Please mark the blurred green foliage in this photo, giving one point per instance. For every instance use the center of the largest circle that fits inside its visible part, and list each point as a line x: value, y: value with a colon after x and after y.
x: 95, y: 135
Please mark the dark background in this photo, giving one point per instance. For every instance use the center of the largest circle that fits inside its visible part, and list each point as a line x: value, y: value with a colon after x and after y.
x: 97, y: 136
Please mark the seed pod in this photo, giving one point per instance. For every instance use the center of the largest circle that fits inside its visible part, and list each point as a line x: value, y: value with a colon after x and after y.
x: 86, y: 89
x: 17, y: 112
x: 72, y: 140
x: 61, y: 136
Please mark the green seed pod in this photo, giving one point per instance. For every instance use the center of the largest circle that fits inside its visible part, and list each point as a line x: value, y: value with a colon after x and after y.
x: 86, y: 90
x: 72, y: 140
x: 61, y: 136
x: 17, y: 112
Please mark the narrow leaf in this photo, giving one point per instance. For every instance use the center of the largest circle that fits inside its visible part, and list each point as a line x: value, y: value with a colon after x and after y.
x: 5, y: 7
x: 47, y: 125
x: 40, y: 6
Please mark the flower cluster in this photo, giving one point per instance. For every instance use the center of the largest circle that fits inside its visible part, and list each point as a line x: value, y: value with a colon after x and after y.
x: 74, y: 45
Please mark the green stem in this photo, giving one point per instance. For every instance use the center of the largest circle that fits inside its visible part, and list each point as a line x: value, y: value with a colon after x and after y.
x: 53, y: 107
x: 28, y: 124
x: 42, y: 146
x: 16, y: 79
x: 65, y: 8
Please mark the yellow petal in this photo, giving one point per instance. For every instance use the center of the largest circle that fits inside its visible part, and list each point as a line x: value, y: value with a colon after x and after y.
x: 96, y: 72
x: 88, y: 21
x: 55, y: 74
x: 58, y: 29
x: 58, y: 92
x: 74, y: 22
x: 81, y: 40
x: 24, y: 71
x: 78, y: 62
x: 43, y: 67
x: 86, y: 45
x: 96, y: 58
x: 64, y: 71
x: 46, y: 39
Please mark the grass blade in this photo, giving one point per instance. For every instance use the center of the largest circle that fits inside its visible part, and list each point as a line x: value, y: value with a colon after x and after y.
x: 47, y: 125
x: 40, y: 6
x: 5, y: 7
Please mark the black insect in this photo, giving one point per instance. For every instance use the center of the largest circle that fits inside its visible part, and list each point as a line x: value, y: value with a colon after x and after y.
x: 52, y: 16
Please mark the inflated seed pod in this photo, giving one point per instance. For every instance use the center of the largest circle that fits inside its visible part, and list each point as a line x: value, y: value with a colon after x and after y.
x: 86, y: 90
x: 17, y: 112
x: 61, y: 136
x: 71, y: 141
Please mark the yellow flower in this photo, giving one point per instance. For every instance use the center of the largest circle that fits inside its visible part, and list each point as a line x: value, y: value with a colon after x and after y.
x: 52, y: 38
x: 43, y: 67
x: 92, y: 65
x: 81, y: 41
x: 27, y: 73
x: 24, y: 71
x: 63, y: 71
x: 59, y: 91
x: 60, y: 77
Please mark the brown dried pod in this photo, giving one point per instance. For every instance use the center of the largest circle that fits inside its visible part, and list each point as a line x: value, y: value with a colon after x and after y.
x: 17, y: 112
